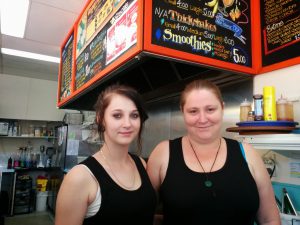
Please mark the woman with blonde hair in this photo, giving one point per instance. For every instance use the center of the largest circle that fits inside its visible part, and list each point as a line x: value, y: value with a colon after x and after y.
x: 204, y: 178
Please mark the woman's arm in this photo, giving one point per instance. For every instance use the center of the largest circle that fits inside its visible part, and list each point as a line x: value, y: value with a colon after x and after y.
x: 74, y: 197
x: 157, y: 164
x: 268, y: 213
x: 156, y: 169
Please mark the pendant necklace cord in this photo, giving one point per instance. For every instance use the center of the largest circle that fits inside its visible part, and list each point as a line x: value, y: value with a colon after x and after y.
x: 112, y: 172
x: 207, y: 183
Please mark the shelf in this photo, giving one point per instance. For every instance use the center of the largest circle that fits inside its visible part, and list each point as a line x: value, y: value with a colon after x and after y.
x: 54, y: 168
x: 254, y: 130
x: 289, y: 219
x: 285, y: 144
x: 29, y: 137
x: 274, y: 141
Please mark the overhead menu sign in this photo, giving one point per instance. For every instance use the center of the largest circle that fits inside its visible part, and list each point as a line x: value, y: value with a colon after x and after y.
x: 66, y: 68
x: 123, y: 33
x: 91, y: 60
x: 93, y: 20
x: 280, y: 22
x: 218, y: 29
x: 113, y: 39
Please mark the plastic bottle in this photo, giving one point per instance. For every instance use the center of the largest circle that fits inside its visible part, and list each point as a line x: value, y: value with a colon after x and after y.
x: 269, y: 103
x: 282, y: 109
x: 245, y: 108
x: 9, y: 163
x: 31, y: 130
x: 44, y: 131
x: 290, y: 112
x: 19, y: 132
x: 37, y: 132
x: 16, y: 160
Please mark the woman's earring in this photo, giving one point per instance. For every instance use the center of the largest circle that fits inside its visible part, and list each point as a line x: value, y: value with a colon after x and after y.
x: 102, y: 129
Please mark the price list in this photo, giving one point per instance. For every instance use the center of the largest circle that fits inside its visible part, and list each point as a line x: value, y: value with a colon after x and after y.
x: 91, y: 60
x: 218, y: 29
x: 280, y: 29
x: 66, y: 68
x: 115, y: 38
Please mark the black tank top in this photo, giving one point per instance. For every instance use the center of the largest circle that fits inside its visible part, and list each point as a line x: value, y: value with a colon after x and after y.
x: 120, y: 206
x: 233, y: 198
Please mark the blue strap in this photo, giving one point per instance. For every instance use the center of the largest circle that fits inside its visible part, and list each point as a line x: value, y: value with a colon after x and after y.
x: 243, y: 151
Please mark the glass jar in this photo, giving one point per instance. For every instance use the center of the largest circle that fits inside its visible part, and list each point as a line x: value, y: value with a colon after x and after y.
x: 37, y: 131
x: 258, y: 107
x: 251, y: 116
x: 31, y: 130
x: 245, y: 108
x: 44, y: 130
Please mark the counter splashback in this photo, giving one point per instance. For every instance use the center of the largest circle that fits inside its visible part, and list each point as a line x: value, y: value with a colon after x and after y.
x: 166, y: 121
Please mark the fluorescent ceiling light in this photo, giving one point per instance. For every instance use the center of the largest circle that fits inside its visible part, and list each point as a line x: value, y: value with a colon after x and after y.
x: 13, y: 17
x: 30, y: 55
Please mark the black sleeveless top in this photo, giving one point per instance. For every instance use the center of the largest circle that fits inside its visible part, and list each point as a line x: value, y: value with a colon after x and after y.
x: 233, y: 198
x: 120, y: 206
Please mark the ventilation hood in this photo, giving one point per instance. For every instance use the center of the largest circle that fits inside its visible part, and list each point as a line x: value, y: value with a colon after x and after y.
x: 156, y: 78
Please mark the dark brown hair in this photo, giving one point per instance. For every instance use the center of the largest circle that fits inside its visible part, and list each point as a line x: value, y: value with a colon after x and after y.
x: 200, y: 85
x: 104, y: 100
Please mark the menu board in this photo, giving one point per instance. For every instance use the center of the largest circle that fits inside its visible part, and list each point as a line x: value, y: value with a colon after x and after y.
x: 280, y: 22
x: 123, y: 33
x: 218, y: 29
x: 93, y: 19
x: 66, y: 68
x: 91, y: 60
x: 115, y: 38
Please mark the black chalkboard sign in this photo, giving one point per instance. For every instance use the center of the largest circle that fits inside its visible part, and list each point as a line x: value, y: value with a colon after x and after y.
x: 113, y: 40
x: 280, y: 23
x: 91, y: 60
x: 66, y: 68
x: 218, y: 29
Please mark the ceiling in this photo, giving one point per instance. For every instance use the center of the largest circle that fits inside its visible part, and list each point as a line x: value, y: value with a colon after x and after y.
x: 47, y: 26
x: 48, y: 23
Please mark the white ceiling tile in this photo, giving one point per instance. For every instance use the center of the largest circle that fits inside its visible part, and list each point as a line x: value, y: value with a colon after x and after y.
x: 30, y: 46
x: 74, y: 6
x: 47, y: 24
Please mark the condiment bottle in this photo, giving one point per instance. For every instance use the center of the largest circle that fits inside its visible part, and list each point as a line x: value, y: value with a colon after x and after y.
x: 245, y: 108
x: 37, y: 131
x: 9, y: 163
x: 290, y: 113
x: 258, y: 107
x: 31, y: 130
x: 251, y: 116
x: 282, y: 109
x: 269, y: 103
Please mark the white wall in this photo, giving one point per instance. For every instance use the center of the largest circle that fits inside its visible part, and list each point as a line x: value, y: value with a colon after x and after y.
x: 286, y: 82
x: 28, y: 98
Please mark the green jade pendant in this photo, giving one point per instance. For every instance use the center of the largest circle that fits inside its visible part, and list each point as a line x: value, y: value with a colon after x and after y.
x: 208, y: 183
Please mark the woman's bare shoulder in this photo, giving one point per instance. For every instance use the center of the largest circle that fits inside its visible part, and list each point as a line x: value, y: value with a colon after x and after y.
x: 78, y: 175
x: 161, y: 148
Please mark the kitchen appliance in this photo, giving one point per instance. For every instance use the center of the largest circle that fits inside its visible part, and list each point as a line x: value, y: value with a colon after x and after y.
x: 7, y: 189
x: 41, y: 163
x: 50, y: 151
x: 71, y: 146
